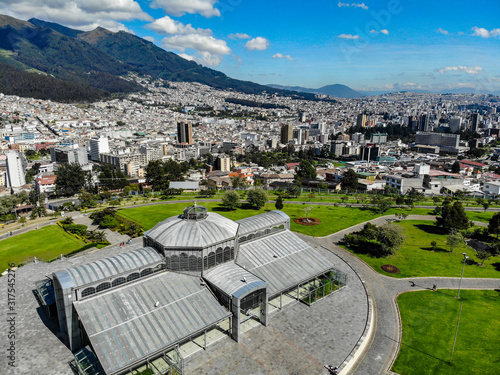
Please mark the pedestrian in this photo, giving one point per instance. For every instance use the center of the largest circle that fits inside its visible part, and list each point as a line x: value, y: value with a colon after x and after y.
x: 412, y: 283
x: 434, y: 286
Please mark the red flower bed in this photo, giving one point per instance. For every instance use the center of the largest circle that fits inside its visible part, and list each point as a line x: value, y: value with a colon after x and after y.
x: 390, y: 268
x: 307, y: 221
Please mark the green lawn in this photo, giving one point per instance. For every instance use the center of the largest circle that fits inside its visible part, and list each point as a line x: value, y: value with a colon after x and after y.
x: 416, y: 258
x: 429, y: 326
x: 332, y: 218
x: 480, y: 215
x: 45, y: 243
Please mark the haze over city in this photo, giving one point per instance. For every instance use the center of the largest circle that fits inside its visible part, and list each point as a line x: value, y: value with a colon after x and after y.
x: 369, y: 45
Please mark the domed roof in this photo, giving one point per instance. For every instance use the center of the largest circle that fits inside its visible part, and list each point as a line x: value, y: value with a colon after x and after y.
x: 196, y: 228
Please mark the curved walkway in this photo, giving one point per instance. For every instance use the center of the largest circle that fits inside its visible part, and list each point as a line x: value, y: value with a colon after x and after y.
x: 383, y: 345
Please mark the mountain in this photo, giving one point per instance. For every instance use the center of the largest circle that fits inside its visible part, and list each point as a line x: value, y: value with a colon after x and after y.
x: 100, y: 58
x: 337, y: 90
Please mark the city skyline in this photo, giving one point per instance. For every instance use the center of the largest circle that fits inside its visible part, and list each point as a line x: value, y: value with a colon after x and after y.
x: 393, y: 45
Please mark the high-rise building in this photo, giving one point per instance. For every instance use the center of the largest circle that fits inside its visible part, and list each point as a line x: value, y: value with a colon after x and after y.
x: 361, y: 120
x: 286, y: 133
x: 223, y: 164
x: 424, y: 123
x: 16, y: 164
x: 68, y: 155
x: 185, y: 133
x: 98, y: 145
x: 455, y: 124
x: 474, y: 122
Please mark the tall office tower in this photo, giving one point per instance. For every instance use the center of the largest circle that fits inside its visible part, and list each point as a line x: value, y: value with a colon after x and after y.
x: 474, y: 122
x: 98, y: 145
x: 16, y: 164
x: 361, y: 120
x: 185, y: 133
x: 223, y: 164
x: 424, y: 123
x: 286, y: 133
x: 302, y: 117
x: 455, y: 124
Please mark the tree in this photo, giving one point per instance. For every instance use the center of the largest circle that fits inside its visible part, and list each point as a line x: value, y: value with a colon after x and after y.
x: 108, y: 221
x: 455, y: 168
x: 483, y: 255
x: 454, y: 239
x: 306, y: 171
x: 279, y: 202
x: 87, y: 200
x: 22, y: 220
x: 238, y: 181
x: 71, y: 179
x: 112, y: 178
x: 390, y: 238
x: 231, y: 200
x: 381, y: 204
x: 350, y: 180
x: 293, y: 191
x: 486, y: 205
x: 155, y: 175
x: 257, y: 198
x: 494, y: 224
x: 433, y: 245
x: 453, y: 217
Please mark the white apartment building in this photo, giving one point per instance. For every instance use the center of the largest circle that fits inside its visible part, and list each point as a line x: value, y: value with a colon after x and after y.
x: 98, y: 146
x: 16, y: 164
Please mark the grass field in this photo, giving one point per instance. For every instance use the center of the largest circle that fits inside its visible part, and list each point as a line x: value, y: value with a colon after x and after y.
x: 416, y: 257
x: 429, y: 326
x: 332, y: 218
x: 45, y: 243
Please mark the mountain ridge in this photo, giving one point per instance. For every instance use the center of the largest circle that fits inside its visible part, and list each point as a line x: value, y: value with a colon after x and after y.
x: 100, y: 58
x: 335, y: 90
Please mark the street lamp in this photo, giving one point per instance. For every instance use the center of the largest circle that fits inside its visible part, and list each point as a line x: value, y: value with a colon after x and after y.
x: 463, y: 268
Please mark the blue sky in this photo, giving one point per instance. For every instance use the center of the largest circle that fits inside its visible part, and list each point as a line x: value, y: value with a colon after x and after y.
x: 367, y: 45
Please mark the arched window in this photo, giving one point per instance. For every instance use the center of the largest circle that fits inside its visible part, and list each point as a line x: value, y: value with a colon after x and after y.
x: 251, y: 236
x: 145, y: 272
x: 168, y: 263
x: 227, y: 254
x: 259, y: 234
x: 232, y: 253
x: 132, y: 276
x: 193, y: 263
x: 218, y: 255
x: 102, y: 287
x: 183, y: 262
x: 282, y: 226
x: 205, y: 263
x: 174, y: 263
x: 88, y: 291
x: 243, y: 239
x: 211, y: 260
x: 119, y: 281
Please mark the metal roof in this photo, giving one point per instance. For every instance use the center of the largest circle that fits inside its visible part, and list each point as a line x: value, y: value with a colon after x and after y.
x: 282, y: 260
x: 233, y: 279
x: 178, y: 232
x: 131, y: 323
x: 107, y: 267
x: 261, y: 221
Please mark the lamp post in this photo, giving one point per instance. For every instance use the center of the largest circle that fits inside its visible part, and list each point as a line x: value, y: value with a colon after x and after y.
x: 463, y: 268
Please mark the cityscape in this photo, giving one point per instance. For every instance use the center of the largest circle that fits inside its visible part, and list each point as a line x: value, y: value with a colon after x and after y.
x: 176, y: 196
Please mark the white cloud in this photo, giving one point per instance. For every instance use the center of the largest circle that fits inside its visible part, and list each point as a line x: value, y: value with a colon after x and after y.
x: 186, y: 56
x: 181, y: 7
x: 484, y: 33
x: 239, y: 36
x: 383, y: 31
x: 167, y: 25
x: 442, y: 31
x: 348, y: 36
x: 278, y: 56
x: 149, y: 38
x: 258, y: 43
x: 460, y: 68
x: 200, y: 43
x: 354, y: 5
x: 81, y: 14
